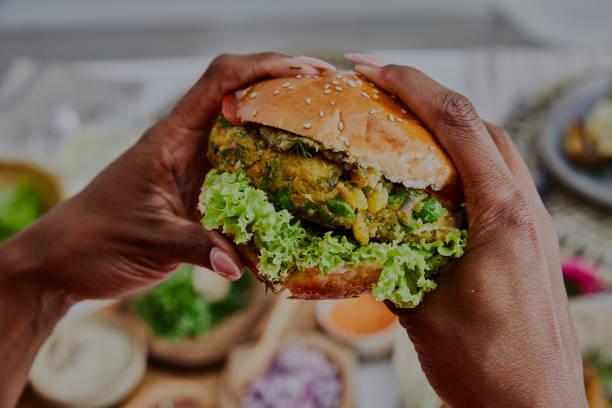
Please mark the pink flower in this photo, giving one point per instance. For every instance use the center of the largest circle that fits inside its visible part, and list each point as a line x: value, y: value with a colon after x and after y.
x: 581, y: 277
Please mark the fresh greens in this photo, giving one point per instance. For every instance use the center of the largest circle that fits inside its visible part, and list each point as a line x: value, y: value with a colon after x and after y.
x: 300, y: 149
x: 246, y: 213
x: 397, y: 198
x: 20, y: 205
x: 603, y: 366
x: 175, y: 310
x: 428, y: 210
x: 284, y: 200
x: 340, y: 208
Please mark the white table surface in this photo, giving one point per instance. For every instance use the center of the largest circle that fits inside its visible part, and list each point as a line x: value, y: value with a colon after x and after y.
x: 496, y: 80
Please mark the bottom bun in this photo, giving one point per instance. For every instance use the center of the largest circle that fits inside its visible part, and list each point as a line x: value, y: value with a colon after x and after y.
x: 312, y: 284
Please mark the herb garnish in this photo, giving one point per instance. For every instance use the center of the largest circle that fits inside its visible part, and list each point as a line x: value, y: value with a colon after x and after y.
x: 300, y: 149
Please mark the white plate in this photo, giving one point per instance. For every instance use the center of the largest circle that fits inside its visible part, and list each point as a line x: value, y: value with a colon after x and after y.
x: 595, y: 184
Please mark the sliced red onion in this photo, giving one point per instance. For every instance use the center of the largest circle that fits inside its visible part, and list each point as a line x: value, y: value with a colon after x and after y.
x: 297, y: 377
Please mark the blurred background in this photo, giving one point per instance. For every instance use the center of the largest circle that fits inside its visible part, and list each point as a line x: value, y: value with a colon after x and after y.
x: 81, y: 79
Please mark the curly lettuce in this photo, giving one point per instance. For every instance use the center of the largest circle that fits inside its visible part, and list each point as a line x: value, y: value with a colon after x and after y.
x: 241, y: 210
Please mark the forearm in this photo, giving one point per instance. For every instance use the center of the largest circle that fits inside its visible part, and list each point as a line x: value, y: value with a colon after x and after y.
x: 30, y: 306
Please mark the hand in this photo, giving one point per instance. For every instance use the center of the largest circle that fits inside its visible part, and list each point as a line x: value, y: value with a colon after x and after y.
x: 138, y: 219
x: 496, y: 332
x: 130, y: 226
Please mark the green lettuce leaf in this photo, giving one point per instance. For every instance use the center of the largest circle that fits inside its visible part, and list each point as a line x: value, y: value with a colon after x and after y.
x: 232, y: 203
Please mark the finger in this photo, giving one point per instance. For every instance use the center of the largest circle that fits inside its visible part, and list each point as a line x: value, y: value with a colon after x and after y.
x: 456, y: 125
x: 521, y: 173
x: 365, y: 59
x: 210, y: 249
x: 315, y: 62
x: 513, y: 159
x: 228, y: 73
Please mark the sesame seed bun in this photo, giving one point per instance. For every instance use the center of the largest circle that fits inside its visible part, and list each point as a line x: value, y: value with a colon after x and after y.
x: 346, y: 113
x: 311, y: 284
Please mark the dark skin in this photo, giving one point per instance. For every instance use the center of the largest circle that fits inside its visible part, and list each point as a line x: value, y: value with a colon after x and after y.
x: 496, y: 332
x: 130, y: 227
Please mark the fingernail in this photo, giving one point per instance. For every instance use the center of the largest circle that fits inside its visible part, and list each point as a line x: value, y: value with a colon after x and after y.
x: 366, y: 70
x: 223, y: 264
x: 315, y: 62
x: 365, y: 59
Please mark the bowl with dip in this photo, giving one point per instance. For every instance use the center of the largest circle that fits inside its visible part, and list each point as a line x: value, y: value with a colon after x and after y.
x: 362, y: 323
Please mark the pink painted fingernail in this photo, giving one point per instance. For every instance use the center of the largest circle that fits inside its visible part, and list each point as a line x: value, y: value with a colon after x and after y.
x: 366, y: 70
x: 315, y: 62
x: 223, y: 264
x: 365, y: 59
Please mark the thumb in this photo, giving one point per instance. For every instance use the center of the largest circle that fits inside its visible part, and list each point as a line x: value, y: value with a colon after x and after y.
x: 210, y: 249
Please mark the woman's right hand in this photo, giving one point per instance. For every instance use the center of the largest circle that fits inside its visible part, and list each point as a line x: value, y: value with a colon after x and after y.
x: 496, y: 332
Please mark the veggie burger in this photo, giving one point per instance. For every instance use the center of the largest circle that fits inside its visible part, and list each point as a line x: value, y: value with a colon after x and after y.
x: 331, y: 189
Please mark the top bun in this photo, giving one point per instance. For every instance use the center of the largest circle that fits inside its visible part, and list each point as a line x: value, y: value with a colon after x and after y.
x: 346, y: 113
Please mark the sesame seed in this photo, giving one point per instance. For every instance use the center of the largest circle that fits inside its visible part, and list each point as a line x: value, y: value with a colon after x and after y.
x: 335, y: 82
x: 276, y: 92
x: 332, y: 103
x: 327, y: 91
x: 431, y: 148
x: 326, y: 86
x: 290, y: 87
x: 343, y: 140
x: 344, y: 80
x: 321, y: 113
x: 391, y: 118
x: 340, y: 125
x: 375, y: 96
x: 286, y: 84
x: 351, y: 83
x: 338, y: 76
x: 338, y: 88
x: 404, y: 111
x: 307, y: 125
x: 359, y: 82
x: 298, y: 76
x: 365, y: 94
x: 373, y: 111
x: 254, y: 113
x: 400, y: 120
x: 253, y: 94
x: 308, y: 101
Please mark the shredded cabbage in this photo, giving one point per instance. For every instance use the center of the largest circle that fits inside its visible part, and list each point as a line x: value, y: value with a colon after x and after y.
x: 245, y: 212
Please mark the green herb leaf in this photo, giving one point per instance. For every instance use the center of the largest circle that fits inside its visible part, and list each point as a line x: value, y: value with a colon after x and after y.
x: 428, y: 210
x: 224, y: 122
x: 340, y: 208
x: 300, y: 149
x: 397, y: 198
x: 333, y: 180
x: 284, y: 200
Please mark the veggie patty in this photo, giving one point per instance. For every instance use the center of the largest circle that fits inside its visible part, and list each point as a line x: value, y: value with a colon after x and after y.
x: 318, y: 185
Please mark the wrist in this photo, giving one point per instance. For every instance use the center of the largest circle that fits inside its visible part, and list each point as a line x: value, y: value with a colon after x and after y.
x: 25, y: 265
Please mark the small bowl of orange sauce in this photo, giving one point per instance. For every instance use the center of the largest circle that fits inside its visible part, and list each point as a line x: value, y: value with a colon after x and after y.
x: 362, y: 323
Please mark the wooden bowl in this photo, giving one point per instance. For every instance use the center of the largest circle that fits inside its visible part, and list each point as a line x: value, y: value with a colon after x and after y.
x: 48, y: 185
x: 213, y: 346
x: 230, y: 394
